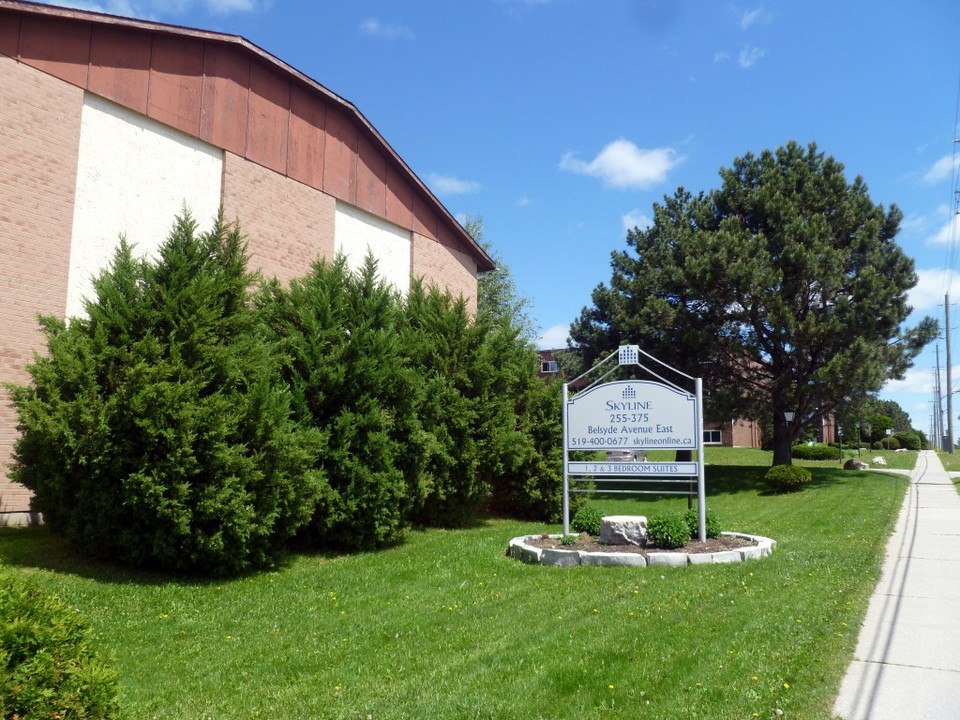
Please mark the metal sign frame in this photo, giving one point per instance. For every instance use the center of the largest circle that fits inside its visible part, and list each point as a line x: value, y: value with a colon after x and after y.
x: 634, y: 415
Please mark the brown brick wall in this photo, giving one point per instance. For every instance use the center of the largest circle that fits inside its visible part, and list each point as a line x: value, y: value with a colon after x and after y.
x: 288, y: 225
x: 39, y: 142
x: 446, y: 268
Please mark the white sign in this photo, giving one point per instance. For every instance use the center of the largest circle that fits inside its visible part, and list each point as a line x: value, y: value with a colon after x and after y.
x: 632, y: 415
x: 679, y: 469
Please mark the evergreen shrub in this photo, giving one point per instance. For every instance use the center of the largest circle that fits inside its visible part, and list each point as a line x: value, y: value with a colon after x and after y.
x: 49, y: 667
x: 156, y: 430
x: 890, y: 443
x: 668, y: 530
x: 787, y: 478
x: 343, y: 361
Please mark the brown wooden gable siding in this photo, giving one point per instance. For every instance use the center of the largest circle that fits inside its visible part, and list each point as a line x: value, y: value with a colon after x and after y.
x: 216, y: 88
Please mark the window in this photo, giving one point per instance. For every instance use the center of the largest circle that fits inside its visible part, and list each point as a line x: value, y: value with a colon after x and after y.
x: 712, y: 437
x: 549, y: 366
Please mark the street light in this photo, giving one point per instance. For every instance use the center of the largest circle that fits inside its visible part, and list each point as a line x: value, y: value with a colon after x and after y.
x: 868, y: 429
x: 840, y: 440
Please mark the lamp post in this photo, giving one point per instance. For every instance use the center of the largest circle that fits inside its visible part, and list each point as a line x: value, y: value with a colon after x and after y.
x: 840, y: 440
x: 859, y: 441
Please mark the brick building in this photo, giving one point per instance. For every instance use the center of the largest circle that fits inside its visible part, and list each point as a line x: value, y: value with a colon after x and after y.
x: 111, y: 125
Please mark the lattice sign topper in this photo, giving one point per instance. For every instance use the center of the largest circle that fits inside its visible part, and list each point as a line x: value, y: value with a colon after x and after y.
x: 628, y: 355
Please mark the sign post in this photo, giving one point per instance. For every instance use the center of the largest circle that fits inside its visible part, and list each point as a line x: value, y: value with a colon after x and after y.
x: 633, y: 415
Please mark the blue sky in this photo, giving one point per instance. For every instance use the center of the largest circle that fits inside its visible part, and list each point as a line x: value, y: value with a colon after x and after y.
x: 561, y: 122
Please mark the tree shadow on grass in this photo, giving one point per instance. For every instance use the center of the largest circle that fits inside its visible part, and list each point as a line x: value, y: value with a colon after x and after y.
x: 39, y: 548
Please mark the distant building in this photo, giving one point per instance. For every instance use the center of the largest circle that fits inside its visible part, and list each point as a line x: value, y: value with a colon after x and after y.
x: 111, y: 125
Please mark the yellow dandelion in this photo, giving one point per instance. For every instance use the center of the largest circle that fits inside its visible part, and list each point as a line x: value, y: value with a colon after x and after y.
x: 786, y: 686
x: 611, y: 687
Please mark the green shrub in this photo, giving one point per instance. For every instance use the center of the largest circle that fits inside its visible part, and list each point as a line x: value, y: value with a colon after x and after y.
x: 48, y: 665
x: 668, y: 530
x: 787, y: 478
x: 156, y: 431
x: 816, y: 451
x: 908, y: 440
x: 339, y: 333
x: 569, y: 539
x: 878, y: 445
x: 587, y: 520
x: 890, y: 443
x: 692, y: 517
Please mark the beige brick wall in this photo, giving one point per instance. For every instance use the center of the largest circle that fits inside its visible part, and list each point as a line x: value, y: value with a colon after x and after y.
x: 448, y: 269
x: 288, y: 225
x: 39, y: 141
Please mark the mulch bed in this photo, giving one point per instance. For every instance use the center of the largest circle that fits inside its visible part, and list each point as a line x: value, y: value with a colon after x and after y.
x: 591, y: 543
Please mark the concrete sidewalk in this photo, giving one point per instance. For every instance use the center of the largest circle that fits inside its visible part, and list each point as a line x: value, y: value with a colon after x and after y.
x: 907, y: 662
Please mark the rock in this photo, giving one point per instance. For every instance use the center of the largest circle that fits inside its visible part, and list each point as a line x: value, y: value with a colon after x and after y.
x: 879, y: 460
x: 854, y: 464
x: 623, y: 530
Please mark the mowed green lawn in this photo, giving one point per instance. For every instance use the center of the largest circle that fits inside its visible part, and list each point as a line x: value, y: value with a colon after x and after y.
x: 446, y: 626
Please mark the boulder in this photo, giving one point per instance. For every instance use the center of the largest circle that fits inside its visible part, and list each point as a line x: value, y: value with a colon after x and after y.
x: 623, y: 530
x: 854, y: 464
x: 879, y: 460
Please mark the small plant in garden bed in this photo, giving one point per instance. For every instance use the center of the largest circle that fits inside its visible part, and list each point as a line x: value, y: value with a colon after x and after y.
x: 692, y: 517
x: 668, y: 530
x: 588, y: 520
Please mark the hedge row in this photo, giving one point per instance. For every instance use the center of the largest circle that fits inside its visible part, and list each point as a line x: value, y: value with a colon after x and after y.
x: 198, y: 419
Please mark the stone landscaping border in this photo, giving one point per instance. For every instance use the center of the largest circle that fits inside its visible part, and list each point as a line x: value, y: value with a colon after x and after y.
x: 520, y: 550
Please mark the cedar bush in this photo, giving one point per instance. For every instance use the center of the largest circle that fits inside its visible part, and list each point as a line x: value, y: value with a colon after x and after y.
x: 340, y: 335
x: 890, y: 443
x: 444, y: 346
x: 522, y: 455
x: 49, y: 667
x: 156, y: 430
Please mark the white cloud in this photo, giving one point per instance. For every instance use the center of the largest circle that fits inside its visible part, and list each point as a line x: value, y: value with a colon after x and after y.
x: 554, y: 337
x: 448, y: 185
x: 636, y: 219
x: 622, y: 164
x: 752, y: 17
x: 948, y: 233
x: 942, y: 169
x: 721, y: 57
x: 523, y: 201
x: 375, y: 28
x: 750, y: 55
x: 915, y: 380
x: 930, y: 288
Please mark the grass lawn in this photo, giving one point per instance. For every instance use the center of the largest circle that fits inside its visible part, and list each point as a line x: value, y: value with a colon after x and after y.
x: 951, y: 463
x: 446, y: 626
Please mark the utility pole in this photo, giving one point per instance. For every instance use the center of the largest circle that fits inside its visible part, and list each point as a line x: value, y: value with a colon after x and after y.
x: 937, y: 406
x: 946, y: 310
